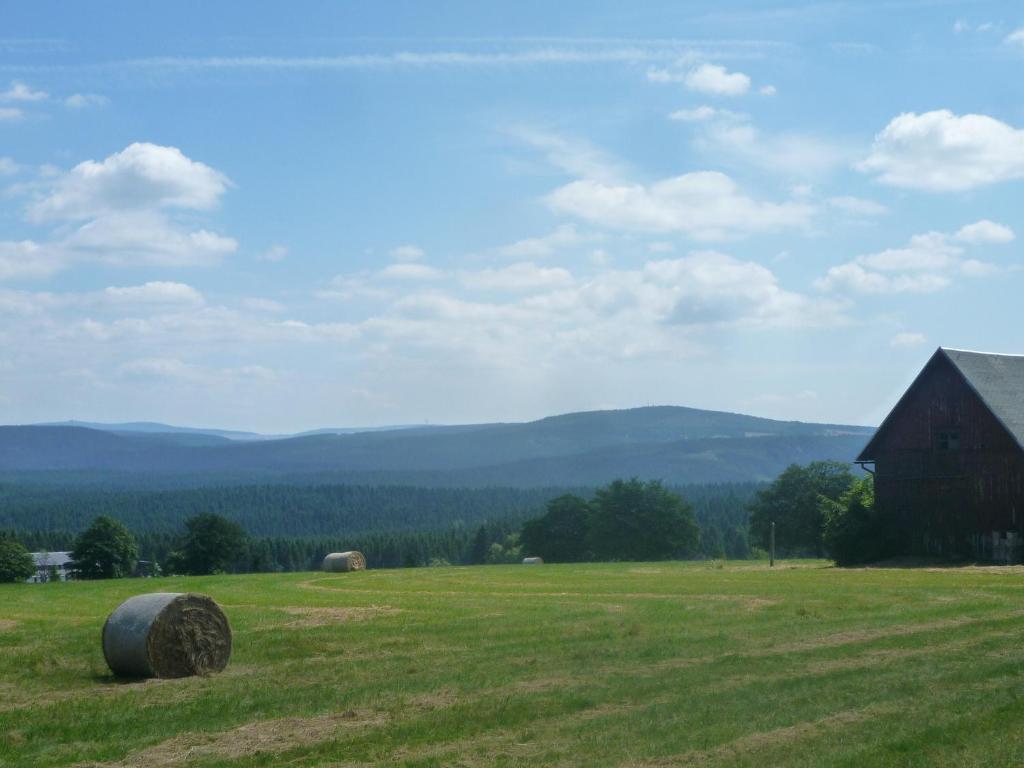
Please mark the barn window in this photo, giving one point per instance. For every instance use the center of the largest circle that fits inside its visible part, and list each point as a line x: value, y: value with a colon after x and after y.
x: 948, y: 440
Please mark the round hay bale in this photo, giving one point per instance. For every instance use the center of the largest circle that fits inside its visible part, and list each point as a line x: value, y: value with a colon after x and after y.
x: 167, y: 634
x: 340, y: 562
x: 533, y: 561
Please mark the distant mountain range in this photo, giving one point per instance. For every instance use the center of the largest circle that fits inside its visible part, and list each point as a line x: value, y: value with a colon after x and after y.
x: 675, y: 444
x: 155, y: 427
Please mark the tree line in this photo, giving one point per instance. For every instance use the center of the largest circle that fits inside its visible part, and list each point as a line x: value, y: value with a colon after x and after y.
x: 820, y: 509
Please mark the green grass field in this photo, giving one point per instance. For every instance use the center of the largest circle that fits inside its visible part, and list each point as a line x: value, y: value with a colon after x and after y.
x: 666, y: 664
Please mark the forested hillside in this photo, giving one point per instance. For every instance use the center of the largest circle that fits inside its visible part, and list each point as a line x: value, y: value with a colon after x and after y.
x: 405, y: 496
x: 294, y: 526
x: 677, y: 445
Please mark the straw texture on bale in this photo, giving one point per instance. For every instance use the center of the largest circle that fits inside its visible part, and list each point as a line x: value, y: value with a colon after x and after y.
x: 338, y: 562
x: 533, y: 561
x: 167, y: 634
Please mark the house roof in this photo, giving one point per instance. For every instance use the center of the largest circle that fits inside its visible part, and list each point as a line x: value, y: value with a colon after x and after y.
x: 997, y: 379
x: 49, y: 559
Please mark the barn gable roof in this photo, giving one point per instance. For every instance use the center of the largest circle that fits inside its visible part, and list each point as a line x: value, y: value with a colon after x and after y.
x: 998, y: 380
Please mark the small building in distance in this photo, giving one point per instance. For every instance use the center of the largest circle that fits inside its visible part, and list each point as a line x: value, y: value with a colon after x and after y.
x: 949, y: 459
x: 51, y: 566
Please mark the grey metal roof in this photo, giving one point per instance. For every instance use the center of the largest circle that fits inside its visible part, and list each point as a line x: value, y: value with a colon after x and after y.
x: 997, y: 379
x: 999, y: 382
x: 48, y: 559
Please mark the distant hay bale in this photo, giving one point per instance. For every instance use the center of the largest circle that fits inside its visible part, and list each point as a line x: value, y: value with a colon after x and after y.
x: 533, y: 561
x: 167, y: 634
x: 340, y: 562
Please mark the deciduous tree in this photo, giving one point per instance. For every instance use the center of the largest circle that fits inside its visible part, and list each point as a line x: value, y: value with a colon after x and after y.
x: 793, y: 503
x: 105, y: 550
x: 16, y: 564
x: 560, y: 535
x: 634, y: 520
x: 211, y: 544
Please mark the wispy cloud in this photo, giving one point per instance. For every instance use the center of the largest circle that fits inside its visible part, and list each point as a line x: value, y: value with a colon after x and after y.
x: 908, y: 339
x: 21, y: 92
x: 573, y: 155
x: 470, y: 52
x: 85, y: 100
x: 927, y: 263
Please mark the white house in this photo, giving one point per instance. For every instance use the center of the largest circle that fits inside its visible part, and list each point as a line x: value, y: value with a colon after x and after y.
x: 51, y: 566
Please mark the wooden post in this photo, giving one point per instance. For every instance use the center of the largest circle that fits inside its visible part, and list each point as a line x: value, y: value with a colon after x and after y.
x: 771, y: 546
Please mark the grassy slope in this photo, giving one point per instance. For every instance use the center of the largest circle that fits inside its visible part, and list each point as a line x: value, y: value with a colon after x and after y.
x: 595, y: 665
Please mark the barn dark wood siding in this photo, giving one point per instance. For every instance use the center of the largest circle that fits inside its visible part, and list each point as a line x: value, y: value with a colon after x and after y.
x: 966, y: 501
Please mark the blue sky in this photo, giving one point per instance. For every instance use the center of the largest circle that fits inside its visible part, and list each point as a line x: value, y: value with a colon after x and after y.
x: 284, y: 217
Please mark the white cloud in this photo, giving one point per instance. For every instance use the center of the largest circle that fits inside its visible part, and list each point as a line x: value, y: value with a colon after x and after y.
x: 126, y: 210
x: 858, y: 206
x: 8, y: 167
x: 961, y: 26
x: 985, y: 231
x: 1016, y: 37
x: 930, y: 251
x: 941, y: 151
x: 715, y: 79
x: 907, y: 339
x: 853, y: 277
x: 553, y: 51
x: 352, y: 286
x: 26, y: 259
x: 520, y: 277
x: 274, y: 253
x: 729, y: 134
x: 161, y: 368
x: 575, y: 156
x: 924, y: 265
x: 767, y: 90
x: 791, y: 153
x: 174, y: 370
x: 564, y: 236
x: 662, y: 75
x: 21, y: 92
x: 85, y: 100
x: 145, y: 237
x: 976, y: 268
x: 658, y: 309
x: 141, y: 176
x: 410, y: 271
x: 407, y: 253
x: 710, y: 287
x: 156, y: 292
x: 706, y: 205
x: 10, y: 114
x: 699, y: 114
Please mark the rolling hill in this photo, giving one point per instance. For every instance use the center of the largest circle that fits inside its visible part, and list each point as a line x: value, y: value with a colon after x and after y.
x: 678, y: 445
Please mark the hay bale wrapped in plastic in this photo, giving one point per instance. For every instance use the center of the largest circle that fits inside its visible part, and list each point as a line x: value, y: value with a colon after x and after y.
x: 533, y: 561
x: 340, y: 562
x: 167, y: 634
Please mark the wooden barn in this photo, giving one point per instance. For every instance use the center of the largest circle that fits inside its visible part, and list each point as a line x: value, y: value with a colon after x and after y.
x: 949, y: 459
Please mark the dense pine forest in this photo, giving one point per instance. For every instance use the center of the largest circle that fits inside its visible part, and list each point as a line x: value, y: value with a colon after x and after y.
x: 291, y: 527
